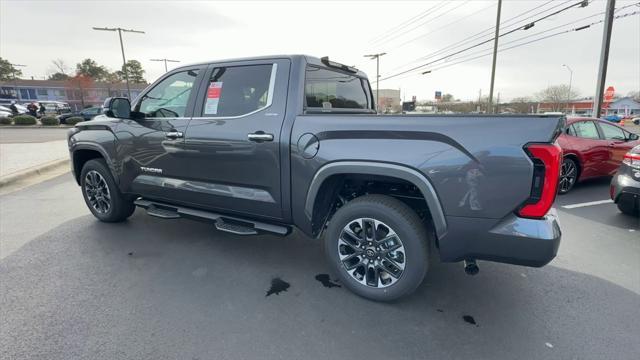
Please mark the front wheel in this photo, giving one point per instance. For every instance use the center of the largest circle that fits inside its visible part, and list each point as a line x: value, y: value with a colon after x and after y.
x: 378, y: 246
x: 102, y: 196
x: 629, y: 205
x: 568, y: 175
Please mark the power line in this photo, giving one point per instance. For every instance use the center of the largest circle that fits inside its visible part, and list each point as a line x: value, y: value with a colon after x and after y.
x: 527, y: 26
x: 487, y: 31
x: 407, y: 22
x: 583, y: 27
x: 423, y: 23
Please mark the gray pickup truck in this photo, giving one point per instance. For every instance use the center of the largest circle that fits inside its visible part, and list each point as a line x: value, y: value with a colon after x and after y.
x: 262, y: 145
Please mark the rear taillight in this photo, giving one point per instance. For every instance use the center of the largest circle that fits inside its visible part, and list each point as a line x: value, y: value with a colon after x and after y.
x: 547, y: 159
x: 632, y: 160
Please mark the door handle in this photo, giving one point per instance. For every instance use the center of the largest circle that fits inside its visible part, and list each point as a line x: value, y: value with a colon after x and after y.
x: 174, y: 135
x: 260, y: 136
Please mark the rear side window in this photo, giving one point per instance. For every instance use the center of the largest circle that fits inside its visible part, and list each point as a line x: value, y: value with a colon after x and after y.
x: 326, y: 89
x: 586, y: 130
x: 239, y: 90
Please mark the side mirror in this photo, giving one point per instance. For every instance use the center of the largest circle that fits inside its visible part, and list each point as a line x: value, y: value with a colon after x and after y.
x: 633, y: 137
x: 117, y: 107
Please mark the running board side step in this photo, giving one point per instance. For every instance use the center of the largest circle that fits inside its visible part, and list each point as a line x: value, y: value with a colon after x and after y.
x: 230, y: 224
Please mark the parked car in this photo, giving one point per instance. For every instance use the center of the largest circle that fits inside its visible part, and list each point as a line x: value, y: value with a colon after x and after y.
x: 56, y: 107
x: 87, y: 114
x: 21, y: 108
x: 262, y: 145
x: 625, y: 186
x: 636, y: 120
x: 613, y: 118
x: 5, y: 112
x: 592, y: 148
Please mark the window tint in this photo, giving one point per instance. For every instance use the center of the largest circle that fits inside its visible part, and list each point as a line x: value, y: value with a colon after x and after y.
x: 169, y: 98
x: 334, y: 90
x: 586, y: 129
x: 238, y: 90
x: 611, y: 132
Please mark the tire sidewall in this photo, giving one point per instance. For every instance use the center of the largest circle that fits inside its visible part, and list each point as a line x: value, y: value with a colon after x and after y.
x: 100, y: 167
x: 413, y: 241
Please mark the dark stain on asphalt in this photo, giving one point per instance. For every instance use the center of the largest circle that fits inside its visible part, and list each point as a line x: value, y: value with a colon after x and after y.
x: 469, y: 319
x: 277, y: 286
x: 130, y: 254
x: 326, y: 281
x: 440, y: 310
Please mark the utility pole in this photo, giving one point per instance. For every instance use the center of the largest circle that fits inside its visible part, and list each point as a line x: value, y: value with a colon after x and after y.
x: 124, y: 61
x: 15, y: 78
x: 495, y: 53
x: 479, y: 100
x: 570, y: 80
x: 604, y: 57
x: 377, y: 57
x: 165, y: 62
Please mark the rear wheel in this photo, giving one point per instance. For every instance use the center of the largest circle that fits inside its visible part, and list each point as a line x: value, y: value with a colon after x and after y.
x: 102, y: 196
x: 378, y: 246
x: 568, y: 175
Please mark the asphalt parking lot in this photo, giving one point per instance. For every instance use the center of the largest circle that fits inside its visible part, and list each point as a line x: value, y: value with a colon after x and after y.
x: 72, y: 287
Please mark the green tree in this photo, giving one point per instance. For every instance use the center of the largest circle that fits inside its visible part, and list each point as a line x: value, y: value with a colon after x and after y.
x: 134, y: 71
x: 89, y: 68
x: 8, y: 71
x: 447, y: 98
x: 59, y: 76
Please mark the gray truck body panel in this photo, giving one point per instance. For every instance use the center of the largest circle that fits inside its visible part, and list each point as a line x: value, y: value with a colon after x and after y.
x: 472, y: 170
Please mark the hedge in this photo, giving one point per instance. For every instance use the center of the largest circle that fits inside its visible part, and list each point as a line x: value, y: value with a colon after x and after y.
x: 74, y: 120
x: 24, y: 120
x: 5, y: 121
x: 49, y: 120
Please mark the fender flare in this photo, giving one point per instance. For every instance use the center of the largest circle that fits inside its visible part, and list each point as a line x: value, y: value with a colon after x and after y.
x: 84, y: 145
x: 384, y: 169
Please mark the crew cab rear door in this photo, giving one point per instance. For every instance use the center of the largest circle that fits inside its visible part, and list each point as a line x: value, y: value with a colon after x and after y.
x: 233, y: 140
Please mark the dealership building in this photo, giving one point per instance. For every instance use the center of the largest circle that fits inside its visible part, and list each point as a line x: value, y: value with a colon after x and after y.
x: 94, y: 94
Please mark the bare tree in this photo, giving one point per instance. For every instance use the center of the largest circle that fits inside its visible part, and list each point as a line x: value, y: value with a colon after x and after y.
x: 61, y: 66
x: 557, y: 96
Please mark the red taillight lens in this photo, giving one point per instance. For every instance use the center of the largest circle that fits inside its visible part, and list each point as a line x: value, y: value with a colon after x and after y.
x: 547, y: 160
x: 632, y: 160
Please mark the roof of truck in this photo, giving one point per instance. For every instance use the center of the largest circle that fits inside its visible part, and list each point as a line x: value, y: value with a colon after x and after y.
x: 293, y: 57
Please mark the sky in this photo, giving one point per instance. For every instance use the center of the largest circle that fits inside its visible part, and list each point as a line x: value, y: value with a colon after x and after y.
x: 34, y: 33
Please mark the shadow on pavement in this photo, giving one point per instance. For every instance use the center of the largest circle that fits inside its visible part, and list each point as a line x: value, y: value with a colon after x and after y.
x: 157, y: 289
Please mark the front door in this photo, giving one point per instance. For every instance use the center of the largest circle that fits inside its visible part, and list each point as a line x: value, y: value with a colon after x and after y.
x: 617, y: 144
x: 152, y: 147
x: 233, y: 141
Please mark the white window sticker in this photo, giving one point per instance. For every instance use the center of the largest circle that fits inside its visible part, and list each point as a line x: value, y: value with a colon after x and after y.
x: 213, y: 98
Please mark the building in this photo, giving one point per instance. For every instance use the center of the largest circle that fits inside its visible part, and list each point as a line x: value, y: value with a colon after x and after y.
x: 388, y: 100
x: 78, y: 96
x: 624, y: 107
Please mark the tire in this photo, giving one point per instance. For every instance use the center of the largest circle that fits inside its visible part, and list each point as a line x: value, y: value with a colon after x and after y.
x: 108, y: 205
x: 368, y: 272
x: 629, y: 205
x: 568, y: 175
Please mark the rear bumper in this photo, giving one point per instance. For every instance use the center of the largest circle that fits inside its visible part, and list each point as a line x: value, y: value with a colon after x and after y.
x: 624, y: 185
x: 512, y: 240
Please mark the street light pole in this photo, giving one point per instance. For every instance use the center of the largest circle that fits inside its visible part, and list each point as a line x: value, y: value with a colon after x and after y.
x: 377, y: 57
x: 165, y: 62
x: 15, y: 78
x: 124, y: 60
x: 604, y: 57
x: 570, y: 79
x: 495, y: 53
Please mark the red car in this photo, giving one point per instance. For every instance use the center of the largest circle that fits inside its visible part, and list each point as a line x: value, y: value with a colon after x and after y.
x: 592, y: 148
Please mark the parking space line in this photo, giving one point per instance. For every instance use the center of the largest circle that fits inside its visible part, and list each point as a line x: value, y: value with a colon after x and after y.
x: 590, y: 203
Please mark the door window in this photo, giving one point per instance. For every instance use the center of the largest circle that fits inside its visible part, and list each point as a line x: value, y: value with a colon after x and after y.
x: 611, y: 132
x: 169, y: 97
x: 586, y: 130
x: 239, y: 90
